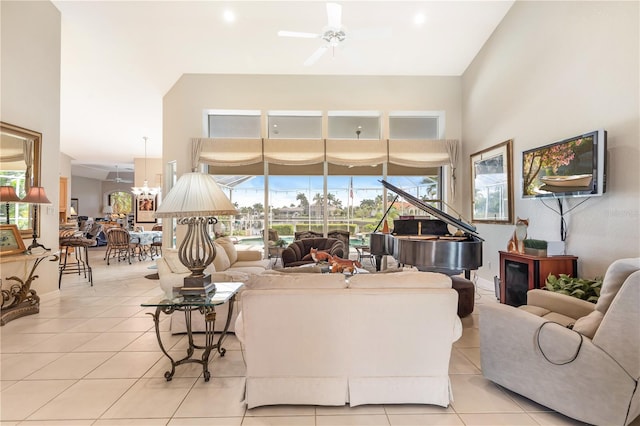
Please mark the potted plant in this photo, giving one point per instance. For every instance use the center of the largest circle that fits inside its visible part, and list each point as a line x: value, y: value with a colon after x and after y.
x: 580, y: 288
x: 535, y: 247
x: 280, y: 243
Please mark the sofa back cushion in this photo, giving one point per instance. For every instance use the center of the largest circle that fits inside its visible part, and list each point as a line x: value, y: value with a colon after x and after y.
x: 271, y: 281
x: 221, y: 261
x: 229, y: 248
x: 406, y: 279
x: 616, y: 274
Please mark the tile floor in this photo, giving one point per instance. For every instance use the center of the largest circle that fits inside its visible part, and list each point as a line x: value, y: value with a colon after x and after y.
x: 90, y: 357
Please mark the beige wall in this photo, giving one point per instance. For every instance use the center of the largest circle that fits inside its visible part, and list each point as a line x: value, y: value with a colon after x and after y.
x: 30, y: 98
x: 192, y: 94
x: 89, y: 195
x: 550, y: 71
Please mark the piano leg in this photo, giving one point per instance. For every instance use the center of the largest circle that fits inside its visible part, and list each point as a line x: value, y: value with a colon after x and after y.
x: 378, y: 262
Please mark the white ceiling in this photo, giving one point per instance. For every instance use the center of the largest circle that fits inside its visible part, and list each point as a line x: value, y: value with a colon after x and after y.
x: 120, y: 57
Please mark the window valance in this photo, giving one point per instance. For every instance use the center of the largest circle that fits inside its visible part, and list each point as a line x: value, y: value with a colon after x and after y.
x: 227, y: 152
x: 349, y: 152
x: 418, y: 153
x: 343, y: 152
x: 294, y: 151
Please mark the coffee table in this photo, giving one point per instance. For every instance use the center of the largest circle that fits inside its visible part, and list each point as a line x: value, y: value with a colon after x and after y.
x: 225, y: 293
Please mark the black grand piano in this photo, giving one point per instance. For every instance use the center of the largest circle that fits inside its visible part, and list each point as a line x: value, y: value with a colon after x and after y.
x: 428, y: 244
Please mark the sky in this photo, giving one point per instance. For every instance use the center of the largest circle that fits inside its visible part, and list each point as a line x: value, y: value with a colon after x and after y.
x: 283, y: 189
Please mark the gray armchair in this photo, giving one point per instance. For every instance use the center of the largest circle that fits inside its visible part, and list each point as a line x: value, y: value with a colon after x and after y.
x: 590, y: 372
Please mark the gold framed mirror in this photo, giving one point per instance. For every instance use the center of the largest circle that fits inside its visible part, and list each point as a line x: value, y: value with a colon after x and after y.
x: 492, y: 184
x: 20, y: 151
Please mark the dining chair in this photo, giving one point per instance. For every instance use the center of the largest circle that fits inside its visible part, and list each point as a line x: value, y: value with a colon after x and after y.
x: 156, y: 244
x: 119, y: 245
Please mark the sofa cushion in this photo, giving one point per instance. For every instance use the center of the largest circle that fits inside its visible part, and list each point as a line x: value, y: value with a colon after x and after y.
x: 229, y: 276
x: 311, y: 269
x: 221, y: 261
x: 559, y: 318
x: 244, y: 255
x: 407, y: 279
x: 249, y: 270
x: 296, y: 281
x: 588, y: 325
x: 535, y: 310
x: 171, y: 257
x: 229, y: 248
x: 260, y: 263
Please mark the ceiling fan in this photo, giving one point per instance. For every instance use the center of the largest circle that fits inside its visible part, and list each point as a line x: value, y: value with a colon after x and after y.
x: 117, y: 179
x: 334, y: 34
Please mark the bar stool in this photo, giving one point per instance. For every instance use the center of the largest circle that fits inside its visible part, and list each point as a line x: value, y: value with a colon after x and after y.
x: 80, y: 264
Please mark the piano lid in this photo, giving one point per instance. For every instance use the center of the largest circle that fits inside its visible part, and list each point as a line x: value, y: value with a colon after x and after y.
x: 457, y: 223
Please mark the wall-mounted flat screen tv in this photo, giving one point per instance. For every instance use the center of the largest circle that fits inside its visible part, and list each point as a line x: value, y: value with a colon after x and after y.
x: 574, y: 167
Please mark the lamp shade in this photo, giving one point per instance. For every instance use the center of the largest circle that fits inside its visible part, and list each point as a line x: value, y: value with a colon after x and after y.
x: 73, y: 212
x: 195, y: 195
x: 36, y: 195
x: 8, y: 195
x: 107, y: 210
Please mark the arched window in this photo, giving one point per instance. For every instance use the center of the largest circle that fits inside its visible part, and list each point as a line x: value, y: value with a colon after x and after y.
x: 121, y: 202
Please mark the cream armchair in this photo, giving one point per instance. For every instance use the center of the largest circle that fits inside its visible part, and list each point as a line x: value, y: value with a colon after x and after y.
x: 590, y: 372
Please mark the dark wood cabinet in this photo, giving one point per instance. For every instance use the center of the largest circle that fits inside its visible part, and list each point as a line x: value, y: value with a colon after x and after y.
x: 520, y: 273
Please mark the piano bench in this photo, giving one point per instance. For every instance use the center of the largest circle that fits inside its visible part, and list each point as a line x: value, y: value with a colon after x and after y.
x: 466, y: 295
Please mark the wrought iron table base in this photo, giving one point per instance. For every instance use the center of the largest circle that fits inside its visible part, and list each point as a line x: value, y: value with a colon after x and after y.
x: 209, y: 321
x: 20, y: 299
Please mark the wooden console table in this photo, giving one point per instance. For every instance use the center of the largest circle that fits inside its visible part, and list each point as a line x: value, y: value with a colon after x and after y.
x: 20, y: 299
x: 520, y: 273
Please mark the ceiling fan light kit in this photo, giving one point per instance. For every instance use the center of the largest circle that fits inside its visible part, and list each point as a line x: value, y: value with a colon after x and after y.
x: 333, y: 35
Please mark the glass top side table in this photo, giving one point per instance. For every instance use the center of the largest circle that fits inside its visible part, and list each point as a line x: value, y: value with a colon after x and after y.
x: 225, y: 293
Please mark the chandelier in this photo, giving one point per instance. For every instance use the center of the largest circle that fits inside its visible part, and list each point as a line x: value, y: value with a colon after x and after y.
x: 144, y: 192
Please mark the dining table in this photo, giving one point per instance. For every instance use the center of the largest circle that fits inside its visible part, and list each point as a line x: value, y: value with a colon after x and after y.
x: 144, y: 240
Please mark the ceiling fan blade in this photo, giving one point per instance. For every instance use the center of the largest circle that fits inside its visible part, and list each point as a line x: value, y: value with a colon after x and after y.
x: 298, y: 34
x: 315, y: 56
x: 370, y: 33
x: 334, y: 13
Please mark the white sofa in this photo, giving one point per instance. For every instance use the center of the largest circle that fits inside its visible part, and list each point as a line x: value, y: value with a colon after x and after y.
x: 229, y: 265
x: 374, y: 339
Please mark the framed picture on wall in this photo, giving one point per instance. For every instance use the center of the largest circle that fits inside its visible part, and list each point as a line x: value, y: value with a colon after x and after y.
x: 10, y: 240
x: 492, y: 184
x: 145, y: 209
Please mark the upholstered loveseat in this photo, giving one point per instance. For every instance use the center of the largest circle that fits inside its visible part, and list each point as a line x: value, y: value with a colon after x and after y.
x: 299, y: 251
x: 371, y: 339
x: 589, y: 372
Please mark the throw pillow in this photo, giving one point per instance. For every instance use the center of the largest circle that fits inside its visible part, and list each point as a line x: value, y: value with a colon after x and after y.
x: 588, y: 325
x: 229, y: 247
x: 221, y: 261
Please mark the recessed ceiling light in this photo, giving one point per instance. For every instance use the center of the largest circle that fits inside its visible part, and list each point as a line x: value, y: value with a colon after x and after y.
x: 419, y: 19
x: 229, y: 16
